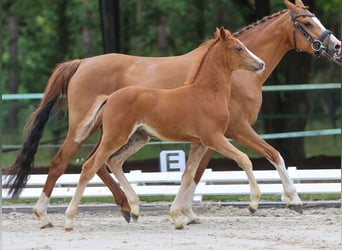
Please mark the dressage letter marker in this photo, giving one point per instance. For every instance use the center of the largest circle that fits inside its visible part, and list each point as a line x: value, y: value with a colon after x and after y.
x: 172, y: 160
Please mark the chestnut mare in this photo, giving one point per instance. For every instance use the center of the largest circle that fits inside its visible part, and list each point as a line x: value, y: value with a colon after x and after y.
x: 270, y: 38
x: 196, y: 112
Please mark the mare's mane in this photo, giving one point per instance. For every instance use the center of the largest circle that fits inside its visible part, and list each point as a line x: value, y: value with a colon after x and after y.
x: 191, y: 77
x: 263, y: 20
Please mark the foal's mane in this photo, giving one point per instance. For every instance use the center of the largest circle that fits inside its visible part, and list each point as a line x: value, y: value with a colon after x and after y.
x: 191, y: 77
x: 263, y: 20
x: 197, y: 64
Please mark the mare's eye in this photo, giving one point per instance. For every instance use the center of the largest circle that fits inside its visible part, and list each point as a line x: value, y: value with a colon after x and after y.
x: 307, y: 24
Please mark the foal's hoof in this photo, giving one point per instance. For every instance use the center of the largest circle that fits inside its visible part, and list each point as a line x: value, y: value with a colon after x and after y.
x: 46, y: 226
x: 252, y: 210
x: 135, y: 217
x: 126, y: 215
x: 297, y: 208
x: 68, y: 229
x: 194, y: 221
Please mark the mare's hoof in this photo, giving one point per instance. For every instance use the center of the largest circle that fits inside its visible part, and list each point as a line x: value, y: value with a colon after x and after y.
x: 297, y: 208
x: 47, y: 226
x: 135, y: 217
x: 126, y: 215
x: 68, y: 229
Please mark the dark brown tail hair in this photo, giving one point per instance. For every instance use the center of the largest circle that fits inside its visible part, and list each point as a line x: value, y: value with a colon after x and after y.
x: 18, y: 173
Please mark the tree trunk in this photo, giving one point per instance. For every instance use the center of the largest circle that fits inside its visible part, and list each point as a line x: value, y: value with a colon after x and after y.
x: 63, y: 43
x: 86, y: 30
x: 13, y: 73
x: 138, y: 25
x: 110, y: 25
x: 162, y: 37
x: 200, y: 21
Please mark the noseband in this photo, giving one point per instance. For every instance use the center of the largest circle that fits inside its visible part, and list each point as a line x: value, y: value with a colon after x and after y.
x: 316, y: 44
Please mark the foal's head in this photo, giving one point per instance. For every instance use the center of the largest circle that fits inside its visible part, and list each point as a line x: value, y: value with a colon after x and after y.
x: 235, y: 54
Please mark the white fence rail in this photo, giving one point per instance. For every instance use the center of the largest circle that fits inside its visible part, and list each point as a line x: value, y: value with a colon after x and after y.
x: 212, y: 183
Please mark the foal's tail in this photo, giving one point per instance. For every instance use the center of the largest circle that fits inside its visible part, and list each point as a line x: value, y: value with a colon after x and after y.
x: 92, y: 120
x: 17, y: 174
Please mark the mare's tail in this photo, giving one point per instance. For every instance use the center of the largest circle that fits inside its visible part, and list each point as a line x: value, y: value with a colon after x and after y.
x: 17, y: 174
x: 92, y: 120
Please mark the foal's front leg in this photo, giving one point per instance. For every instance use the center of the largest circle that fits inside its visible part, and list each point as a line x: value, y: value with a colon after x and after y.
x: 192, y: 218
x: 222, y: 145
x: 178, y: 210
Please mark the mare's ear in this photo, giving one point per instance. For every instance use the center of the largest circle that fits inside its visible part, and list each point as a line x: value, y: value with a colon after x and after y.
x: 224, y: 34
x: 292, y: 7
x: 299, y: 3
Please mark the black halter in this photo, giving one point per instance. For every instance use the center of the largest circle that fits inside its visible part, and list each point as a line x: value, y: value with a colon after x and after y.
x: 316, y: 44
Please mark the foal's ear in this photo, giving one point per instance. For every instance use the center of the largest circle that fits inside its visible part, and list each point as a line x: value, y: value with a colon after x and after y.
x: 224, y: 34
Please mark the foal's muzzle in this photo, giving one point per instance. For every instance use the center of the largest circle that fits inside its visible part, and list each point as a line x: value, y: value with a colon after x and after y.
x: 258, y: 66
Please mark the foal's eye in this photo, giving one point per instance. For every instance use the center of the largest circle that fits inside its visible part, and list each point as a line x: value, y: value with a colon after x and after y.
x: 239, y: 49
x: 307, y: 24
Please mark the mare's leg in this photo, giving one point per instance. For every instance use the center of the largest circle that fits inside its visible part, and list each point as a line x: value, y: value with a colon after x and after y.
x: 249, y: 138
x: 222, y: 145
x: 136, y: 142
x: 178, y: 210
x: 119, y: 196
x: 57, y: 168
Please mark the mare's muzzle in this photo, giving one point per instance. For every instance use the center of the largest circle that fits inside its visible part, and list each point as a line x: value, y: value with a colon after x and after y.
x: 322, y: 45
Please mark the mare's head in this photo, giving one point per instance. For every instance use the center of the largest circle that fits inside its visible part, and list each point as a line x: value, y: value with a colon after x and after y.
x: 310, y: 35
x: 236, y: 54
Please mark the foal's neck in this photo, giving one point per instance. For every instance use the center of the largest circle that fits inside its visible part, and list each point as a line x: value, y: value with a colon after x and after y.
x: 214, y: 75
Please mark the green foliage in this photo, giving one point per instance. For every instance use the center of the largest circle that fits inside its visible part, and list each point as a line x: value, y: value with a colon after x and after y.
x: 51, y: 31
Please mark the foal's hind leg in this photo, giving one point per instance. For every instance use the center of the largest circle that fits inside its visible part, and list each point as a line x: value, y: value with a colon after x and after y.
x: 108, y: 146
x: 89, y: 168
x: 222, y: 145
x: 136, y: 142
x: 119, y: 196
